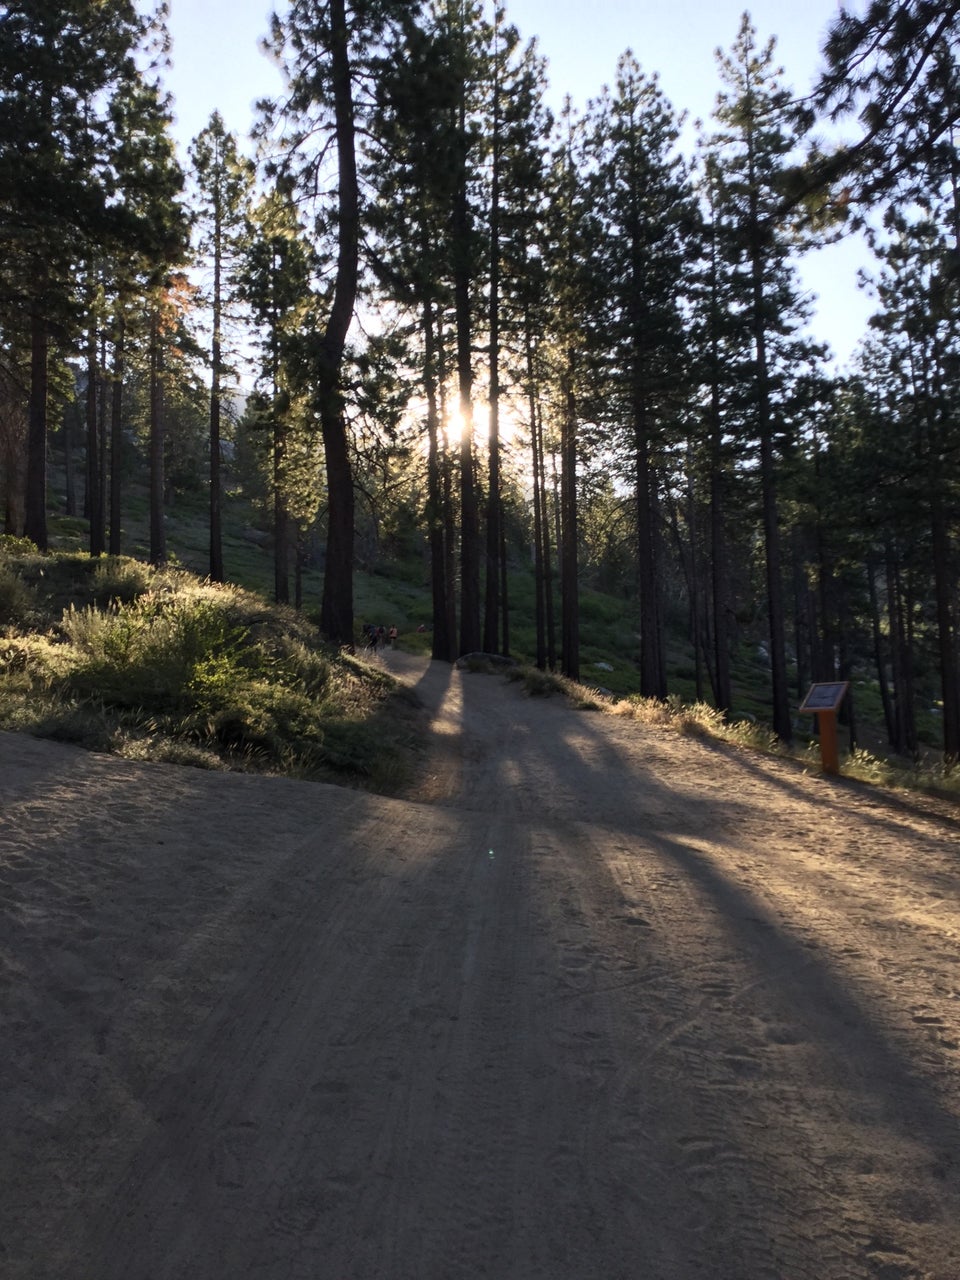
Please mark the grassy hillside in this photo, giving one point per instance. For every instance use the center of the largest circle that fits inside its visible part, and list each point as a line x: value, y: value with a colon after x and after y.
x: 162, y: 665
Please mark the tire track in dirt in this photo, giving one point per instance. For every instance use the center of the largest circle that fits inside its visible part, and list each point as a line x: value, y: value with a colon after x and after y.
x: 601, y: 1008
x: 779, y: 1041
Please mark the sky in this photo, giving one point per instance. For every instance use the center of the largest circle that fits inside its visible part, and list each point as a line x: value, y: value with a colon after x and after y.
x: 217, y: 65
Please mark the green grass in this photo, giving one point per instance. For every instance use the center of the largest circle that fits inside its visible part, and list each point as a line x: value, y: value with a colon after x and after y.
x: 160, y: 664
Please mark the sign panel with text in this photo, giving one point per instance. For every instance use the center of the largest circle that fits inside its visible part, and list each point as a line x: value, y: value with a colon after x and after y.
x: 825, y: 697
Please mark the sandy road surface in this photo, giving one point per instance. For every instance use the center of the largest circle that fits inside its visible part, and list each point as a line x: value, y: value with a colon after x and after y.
x: 595, y: 1003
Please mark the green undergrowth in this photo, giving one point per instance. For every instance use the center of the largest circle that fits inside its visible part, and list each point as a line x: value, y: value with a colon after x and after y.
x: 160, y: 664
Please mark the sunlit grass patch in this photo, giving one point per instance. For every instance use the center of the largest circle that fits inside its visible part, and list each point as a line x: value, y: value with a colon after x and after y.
x: 698, y: 720
x: 937, y: 776
x: 162, y: 665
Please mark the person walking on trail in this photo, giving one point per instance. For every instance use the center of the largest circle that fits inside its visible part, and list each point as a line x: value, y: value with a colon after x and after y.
x: 392, y: 636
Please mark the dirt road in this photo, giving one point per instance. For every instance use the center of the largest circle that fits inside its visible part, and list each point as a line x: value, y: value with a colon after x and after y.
x: 596, y: 1002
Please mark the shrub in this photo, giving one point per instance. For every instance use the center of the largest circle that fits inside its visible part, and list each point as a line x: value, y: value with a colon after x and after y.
x: 17, y: 600
x: 172, y: 654
x: 14, y: 546
x: 118, y: 580
x: 157, y: 664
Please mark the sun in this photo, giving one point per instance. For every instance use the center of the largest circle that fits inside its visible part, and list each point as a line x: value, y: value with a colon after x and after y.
x: 512, y: 428
x: 454, y: 427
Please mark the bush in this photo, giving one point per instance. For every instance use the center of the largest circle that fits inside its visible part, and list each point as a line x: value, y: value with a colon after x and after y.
x: 17, y: 600
x: 14, y: 546
x: 173, y: 654
x: 158, y: 664
x: 118, y: 580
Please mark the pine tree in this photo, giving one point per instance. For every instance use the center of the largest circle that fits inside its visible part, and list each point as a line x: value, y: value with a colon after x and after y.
x: 568, y: 232
x: 462, y: 21
x: 760, y: 128
x: 716, y: 352
x: 274, y: 282
x: 643, y: 201
x: 223, y: 180
x: 520, y: 135
x: 412, y: 172
x: 893, y: 67
x: 918, y: 348
x: 63, y: 68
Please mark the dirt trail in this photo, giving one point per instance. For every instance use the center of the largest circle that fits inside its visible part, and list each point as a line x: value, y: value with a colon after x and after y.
x: 594, y: 1002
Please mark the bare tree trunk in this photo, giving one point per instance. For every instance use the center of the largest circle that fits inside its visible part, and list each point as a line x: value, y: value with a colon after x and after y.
x: 69, y: 463
x: 905, y: 740
x: 442, y: 644
x: 281, y: 546
x: 569, y: 566
x: 158, y: 534
x: 652, y: 684
x: 216, y: 361
x: 104, y: 462
x: 94, y: 503
x: 336, y: 610
x: 491, y: 621
x: 35, y: 515
x: 116, y: 437
x: 782, y: 725
x: 943, y: 581
x: 878, y: 654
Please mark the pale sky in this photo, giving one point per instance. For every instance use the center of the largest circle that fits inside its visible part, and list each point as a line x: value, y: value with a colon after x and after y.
x: 217, y: 65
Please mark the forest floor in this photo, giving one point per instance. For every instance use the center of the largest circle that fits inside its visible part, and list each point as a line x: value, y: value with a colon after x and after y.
x: 593, y: 1001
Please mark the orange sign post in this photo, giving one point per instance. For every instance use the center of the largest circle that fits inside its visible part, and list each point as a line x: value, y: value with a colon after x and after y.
x: 823, y: 701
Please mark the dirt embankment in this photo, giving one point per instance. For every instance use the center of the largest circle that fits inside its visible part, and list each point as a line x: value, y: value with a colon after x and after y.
x: 593, y: 1002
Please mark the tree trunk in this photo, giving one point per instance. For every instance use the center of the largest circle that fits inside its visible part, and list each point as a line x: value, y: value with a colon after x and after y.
x: 943, y: 581
x: 491, y: 620
x: 539, y: 499
x: 470, y: 637
x: 782, y: 725
x: 441, y: 640
x: 216, y: 530
x: 104, y: 463
x: 569, y: 567
x: 848, y: 714
x: 35, y: 514
x: 469, y: 519
x: 504, y: 589
x: 69, y: 464
x: 158, y: 535
x: 336, y: 609
x: 116, y: 437
x: 905, y: 741
x: 652, y: 684
x: 281, y: 548
x: 719, y: 585
x: 94, y: 503
x: 878, y: 654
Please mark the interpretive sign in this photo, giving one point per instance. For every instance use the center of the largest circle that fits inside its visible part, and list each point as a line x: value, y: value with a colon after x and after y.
x: 825, y: 697
x: 824, y: 701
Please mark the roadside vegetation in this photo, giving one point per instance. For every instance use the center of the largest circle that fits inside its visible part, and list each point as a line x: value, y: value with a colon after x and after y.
x: 158, y: 664
x: 161, y: 664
